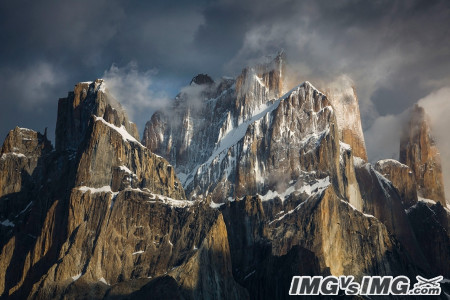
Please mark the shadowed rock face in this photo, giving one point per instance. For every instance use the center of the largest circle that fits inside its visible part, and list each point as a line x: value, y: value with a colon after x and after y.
x: 75, y: 111
x: 19, y: 161
x: 418, y: 151
x: 403, y: 179
x: 430, y: 223
x: 202, y: 79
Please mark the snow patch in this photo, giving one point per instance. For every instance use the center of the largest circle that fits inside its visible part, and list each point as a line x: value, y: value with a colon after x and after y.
x: 138, y: 252
x: 125, y: 169
x: 215, y: 205
x: 166, y: 200
x: 358, y: 162
x: 345, y: 146
x: 103, y: 280
x: 385, y: 162
x: 121, y: 130
x: 425, y: 200
x: 4, y: 155
x: 103, y: 189
x: 7, y: 223
x: 314, y: 188
x: 76, y: 277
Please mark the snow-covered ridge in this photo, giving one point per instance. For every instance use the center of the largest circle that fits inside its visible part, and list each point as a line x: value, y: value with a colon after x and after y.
x: 428, y: 202
x: 126, y: 170
x: 230, y: 136
x: 385, y: 162
x: 152, y: 197
x: 297, y: 88
x: 170, y: 201
x: 314, y: 190
x: 317, y: 187
x: 103, y: 189
x: 121, y: 130
x: 358, y: 162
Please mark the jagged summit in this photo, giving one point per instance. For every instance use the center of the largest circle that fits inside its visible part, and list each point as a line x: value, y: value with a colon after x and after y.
x: 201, y: 79
x: 342, y: 95
x: 75, y: 111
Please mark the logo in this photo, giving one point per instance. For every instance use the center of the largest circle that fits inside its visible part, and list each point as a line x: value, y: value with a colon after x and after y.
x: 370, y: 285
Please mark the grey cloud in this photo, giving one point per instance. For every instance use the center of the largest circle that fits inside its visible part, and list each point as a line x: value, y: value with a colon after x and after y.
x: 396, y: 52
x: 135, y: 92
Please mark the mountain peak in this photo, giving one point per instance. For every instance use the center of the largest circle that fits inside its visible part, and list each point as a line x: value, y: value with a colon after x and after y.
x: 75, y: 111
x: 418, y: 150
x: 342, y: 96
x: 201, y: 79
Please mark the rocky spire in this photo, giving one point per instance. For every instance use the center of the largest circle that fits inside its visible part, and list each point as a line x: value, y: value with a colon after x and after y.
x: 418, y: 150
x: 75, y: 111
x: 342, y: 96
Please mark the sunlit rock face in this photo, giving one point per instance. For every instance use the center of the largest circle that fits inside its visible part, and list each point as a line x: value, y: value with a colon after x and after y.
x: 418, y: 151
x: 343, y: 97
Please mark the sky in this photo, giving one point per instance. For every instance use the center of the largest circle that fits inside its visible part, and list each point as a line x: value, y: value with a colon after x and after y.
x: 397, y: 53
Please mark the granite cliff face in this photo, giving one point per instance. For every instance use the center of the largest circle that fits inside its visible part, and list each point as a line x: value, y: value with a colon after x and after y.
x: 418, y: 151
x: 272, y: 184
x: 345, y: 101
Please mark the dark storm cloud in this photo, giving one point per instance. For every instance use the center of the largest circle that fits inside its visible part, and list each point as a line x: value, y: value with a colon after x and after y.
x: 396, y: 52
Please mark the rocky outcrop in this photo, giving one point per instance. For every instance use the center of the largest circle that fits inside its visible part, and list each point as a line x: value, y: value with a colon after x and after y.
x: 403, y: 179
x: 418, y: 151
x: 20, y: 164
x: 22, y: 175
x: 246, y: 139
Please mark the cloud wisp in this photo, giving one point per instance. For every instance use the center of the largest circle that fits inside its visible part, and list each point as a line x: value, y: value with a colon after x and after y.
x: 135, y: 91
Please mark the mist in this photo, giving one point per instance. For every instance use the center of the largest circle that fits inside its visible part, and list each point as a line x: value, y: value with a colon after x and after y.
x: 437, y: 106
